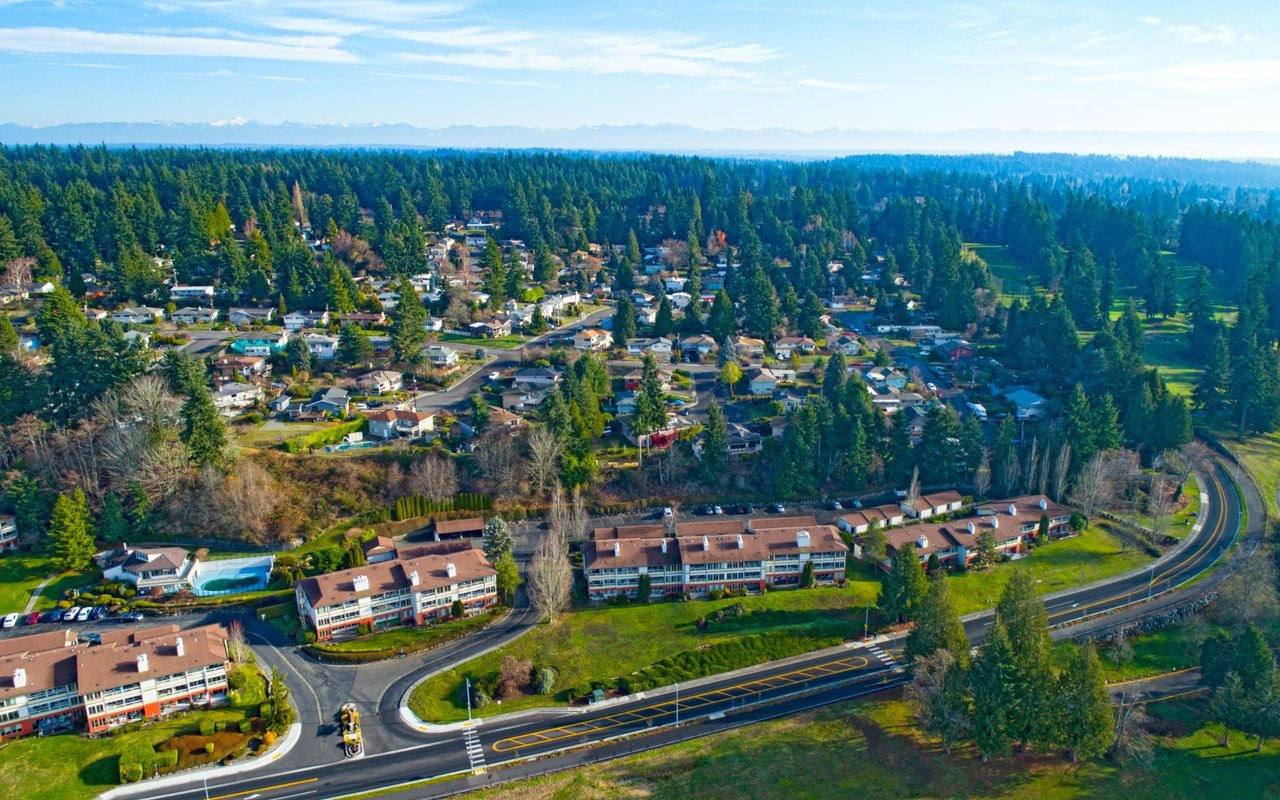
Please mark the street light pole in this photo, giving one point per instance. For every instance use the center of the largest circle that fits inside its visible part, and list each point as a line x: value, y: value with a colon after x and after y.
x: 677, y: 703
x: 468, y: 699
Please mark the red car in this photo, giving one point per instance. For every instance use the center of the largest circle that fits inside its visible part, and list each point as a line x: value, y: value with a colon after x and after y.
x: 31, y: 619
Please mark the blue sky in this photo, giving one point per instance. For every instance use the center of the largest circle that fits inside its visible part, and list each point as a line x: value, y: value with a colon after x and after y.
x: 803, y: 64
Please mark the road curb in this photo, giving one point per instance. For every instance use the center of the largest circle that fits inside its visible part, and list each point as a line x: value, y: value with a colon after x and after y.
x: 146, y: 787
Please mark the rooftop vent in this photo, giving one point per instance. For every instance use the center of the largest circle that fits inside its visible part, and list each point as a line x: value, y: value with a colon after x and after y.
x: 451, y: 570
x: 1013, y: 510
x: 972, y: 530
x: 360, y: 583
x: 706, y: 543
x: 19, y: 678
x: 1043, y: 503
x: 995, y: 522
x: 143, y: 664
x: 414, y: 580
x: 740, y: 543
x: 179, y: 647
x: 617, y: 549
x: 802, y: 538
x: 664, y: 545
x: 922, y: 541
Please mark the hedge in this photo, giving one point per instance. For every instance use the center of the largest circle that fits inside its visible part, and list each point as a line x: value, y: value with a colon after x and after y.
x: 411, y: 507
x: 166, y: 759
x: 130, y: 773
x: 320, y: 438
x: 330, y: 656
x: 717, y: 658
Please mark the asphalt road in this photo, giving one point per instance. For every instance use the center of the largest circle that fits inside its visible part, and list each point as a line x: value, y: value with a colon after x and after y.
x: 731, y: 699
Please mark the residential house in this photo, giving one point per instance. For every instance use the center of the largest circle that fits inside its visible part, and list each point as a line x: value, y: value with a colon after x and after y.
x: 137, y: 339
x: 785, y: 346
x: 244, y: 317
x: 845, y: 343
x: 322, y: 346
x: 434, y: 324
x: 660, y: 347
x: 536, y: 377
x: 229, y: 368
x: 381, y: 381
x: 763, y: 380
x: 747, y: 347
x: 624, y: 402
x: 168, y: 569
x: 194, y: 316
x: 1026, y: 404
x: 523, y: 397
x: 364, y: 319
x: 885, y: 378
x: 469, y: 528
x: 190, y: 292
x: 931, y: 505
x: 95, y: 314
x: 231, y: 398
x: 395, y: 592
x: 632, y: 380
x: 742, y: 441
x: 441, y: 356
x: 956, y: 351
x: 260, y: 344
x: 505, y: 418
x: 862, y: 520
x: 593, y: 339
x: 328, y: 400
x: 491, y: 329
x: 697, y: 346
x: 391, y: 423
x: 8, y: 532
x: 138, y: 315
x: 298, y: 320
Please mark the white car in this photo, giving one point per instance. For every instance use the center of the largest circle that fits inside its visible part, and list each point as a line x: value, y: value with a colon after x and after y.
x: 70, y: 614
x: 10, y: 620
x: 83, y: 616
x: 493, y: 376
x: 933, y: 387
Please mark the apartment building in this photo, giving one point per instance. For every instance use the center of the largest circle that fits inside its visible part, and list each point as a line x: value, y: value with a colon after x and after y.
x: 8, y: 532
x: 51, y: 682
x: 706, y: 557
x: 396, y: 591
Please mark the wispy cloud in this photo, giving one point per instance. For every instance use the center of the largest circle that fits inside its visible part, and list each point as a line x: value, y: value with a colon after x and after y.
x: 471, y: 36
x: 818, y: 83
x: 1195, y: 76
x: 75, y: 40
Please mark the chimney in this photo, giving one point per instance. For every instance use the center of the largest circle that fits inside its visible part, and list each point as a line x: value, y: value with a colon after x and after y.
x: 740, y: 545
x: 413, y: 578
x: 664, y: 545
x: 1043, y: 503
x: 617, y: 549
x: 922, y: 541
x: 1013, y: 510
x: 972, y: 530
x: 706, y: 544
x: 995, y: 522
x: 802, y: 538
x: 143, y: 664
x: 179, y: 648
x: 19, y: 678
x: 360, y: 583
x: 451, y: 570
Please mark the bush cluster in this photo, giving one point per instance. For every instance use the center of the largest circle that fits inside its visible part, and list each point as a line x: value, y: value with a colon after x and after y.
x: 411, y: 507
x: 320, y: 438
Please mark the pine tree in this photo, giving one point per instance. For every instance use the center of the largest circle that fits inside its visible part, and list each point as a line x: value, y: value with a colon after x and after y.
x: 1105, y: 424
x: 353, y: 346
x: 203, y: 431
x: 720, y: 322
x: 112, y: 524
x: 8, y: 335
x: 1211, y: 387
x: 663, y: 324
x: 762, y: 315
x: 715, y: 445
x: 70, y: 535
x: 651, y: 407
x: 1024, y: 618
x: 1084, y: 721
x: 990, y: 680
x: 297, y: 355
x: 495, y: 280
x: 408, y: 325
x: 479, y: 411
x: 906, y: 584
x: 937, y: 626
x: 1079, y: 428
x: 498, y: 540
x: 624, y: 321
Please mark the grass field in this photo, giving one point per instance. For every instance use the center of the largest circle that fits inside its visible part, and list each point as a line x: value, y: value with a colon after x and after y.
x: 409, y: 638
x: 1091, y: 556
x: 21, y: 573
x: 870, y: 749
x: 1261, y: 456
x: 501, y: 342
x: 610, y: 641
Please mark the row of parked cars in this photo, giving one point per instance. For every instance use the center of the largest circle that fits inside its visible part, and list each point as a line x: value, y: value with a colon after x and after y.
x: 73, y: 614
x: 741, y: 508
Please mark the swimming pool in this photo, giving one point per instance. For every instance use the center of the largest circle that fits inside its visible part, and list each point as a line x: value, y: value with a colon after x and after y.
x: 232, y: 575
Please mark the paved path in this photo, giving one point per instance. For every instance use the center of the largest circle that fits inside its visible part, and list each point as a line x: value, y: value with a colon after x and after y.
x: 35, y: 594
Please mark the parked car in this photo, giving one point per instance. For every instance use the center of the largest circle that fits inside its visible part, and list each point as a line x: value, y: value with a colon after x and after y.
x: 70, y: 614
x: 91, y: 638
x: 362, y: 406
x: 128, y: 616
x: 851, y: 502
x: 742, y: 508
x: 9, y: 620
x: 668, y: 512
x: 32, y: 618
x: 83, y: 616
x: 97, y: 612
x: 834, y: 505
x: 55, y: 615
x: 717, y: 510
x: 706, y: 511
x: 495, y: 375
x: 777, y: 508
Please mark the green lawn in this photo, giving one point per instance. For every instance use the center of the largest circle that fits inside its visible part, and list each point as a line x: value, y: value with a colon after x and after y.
x: 21, y: 573
x: 1261, y: 456
x: 871, y: 749
x: 1165, y: 650
x: 501, y: 342
x: 1091, y: 556
x: 71, y: 767
x: 1182, y: 518
x: 412, y: 639
x: 604, y: 642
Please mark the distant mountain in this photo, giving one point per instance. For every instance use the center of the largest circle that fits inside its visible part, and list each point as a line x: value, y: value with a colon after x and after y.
x: 238, y: 132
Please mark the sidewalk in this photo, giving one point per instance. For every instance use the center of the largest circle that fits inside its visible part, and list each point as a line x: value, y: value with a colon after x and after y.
x: 147, y: 787
x: 35, y: 594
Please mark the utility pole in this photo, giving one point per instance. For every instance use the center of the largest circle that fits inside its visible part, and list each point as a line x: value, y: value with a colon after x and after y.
x: 866, y: 620
x: 468, y: 699
x: 677, y: 703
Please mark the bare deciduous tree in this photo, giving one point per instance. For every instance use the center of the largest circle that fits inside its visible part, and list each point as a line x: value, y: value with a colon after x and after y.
x: 499, y: 462
x: 237, y: 644
x: 513, y: 676
x: 1061, y: 471
x: 1249, y: 595
x: 1093, y: 488
x: 435, y: 477
x: 1159, y: 505
x: 1132, y: 743
x: 550, y: 576
x: 982, y: 478
x: 17, y: 273
x: 913, y: 490
x: 543, y: 464
x: 579, y: 518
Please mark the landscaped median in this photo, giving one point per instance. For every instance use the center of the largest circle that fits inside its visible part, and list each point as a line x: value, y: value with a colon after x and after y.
x: 401, y: 641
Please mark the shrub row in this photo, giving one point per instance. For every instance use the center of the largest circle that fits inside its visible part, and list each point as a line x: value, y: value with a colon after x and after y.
x: 320, y: 438
x: 722, y: 657
x: 410, y: 507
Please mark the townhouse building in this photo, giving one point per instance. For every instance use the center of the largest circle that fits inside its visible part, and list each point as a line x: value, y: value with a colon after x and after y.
x: 8, y: 532
x: 396, y: 591
x: 52, y: 682
x: 712, y: 556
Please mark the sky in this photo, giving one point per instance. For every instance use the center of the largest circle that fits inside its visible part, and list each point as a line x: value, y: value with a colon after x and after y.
x: 929, y: 65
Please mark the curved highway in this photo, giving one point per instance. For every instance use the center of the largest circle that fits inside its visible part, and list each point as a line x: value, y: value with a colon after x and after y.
x: 719, y: 702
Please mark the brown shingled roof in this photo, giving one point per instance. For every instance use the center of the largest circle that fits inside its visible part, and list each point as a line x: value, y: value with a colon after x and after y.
x: 108, y: 666
x: 630, y: 553
x: 388, y: 576
x: 459, y: 525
